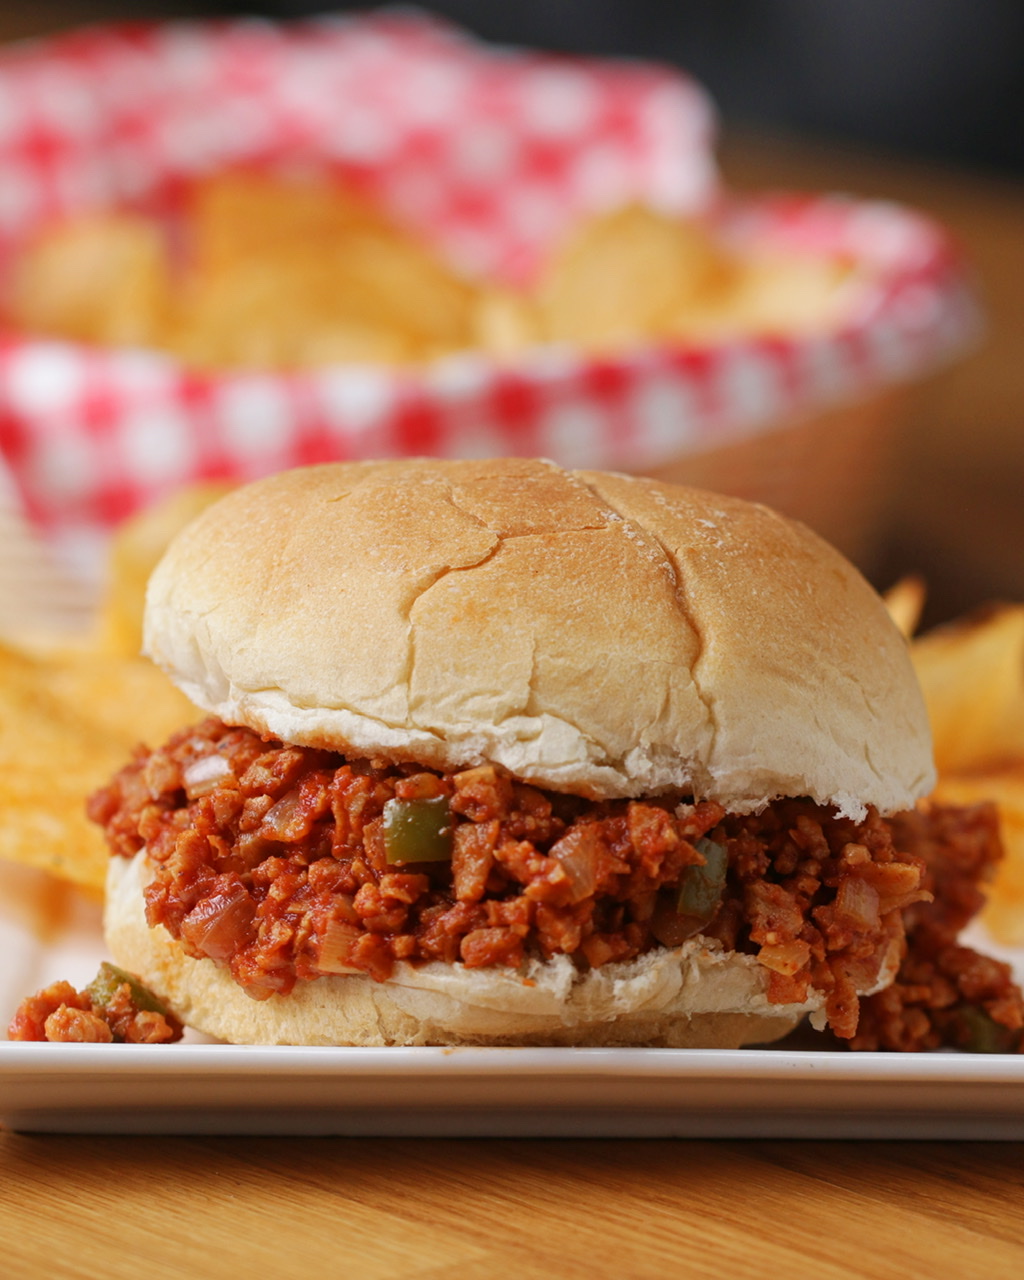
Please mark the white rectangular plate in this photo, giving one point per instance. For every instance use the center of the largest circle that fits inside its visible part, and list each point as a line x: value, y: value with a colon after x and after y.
x: 46, y: 933
x: 508, y: 1092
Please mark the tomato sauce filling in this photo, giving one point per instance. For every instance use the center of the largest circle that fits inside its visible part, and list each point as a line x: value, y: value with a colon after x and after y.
x: 273, y: 861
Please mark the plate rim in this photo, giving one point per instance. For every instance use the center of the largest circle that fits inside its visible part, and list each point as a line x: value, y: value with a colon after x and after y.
x: 494, y: 1062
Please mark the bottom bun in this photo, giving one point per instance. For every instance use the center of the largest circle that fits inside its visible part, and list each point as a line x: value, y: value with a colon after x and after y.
x: 697, y: 996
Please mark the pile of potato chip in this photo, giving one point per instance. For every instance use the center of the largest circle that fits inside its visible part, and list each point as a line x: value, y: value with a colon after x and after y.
x: 71, y: 716
x: 972, y: 675
x: 264, y: 273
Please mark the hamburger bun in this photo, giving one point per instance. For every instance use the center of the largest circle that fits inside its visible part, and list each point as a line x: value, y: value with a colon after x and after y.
x: 590, y: 633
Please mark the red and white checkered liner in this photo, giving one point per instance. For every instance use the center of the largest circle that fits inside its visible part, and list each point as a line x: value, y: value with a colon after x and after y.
x: 490, y: 154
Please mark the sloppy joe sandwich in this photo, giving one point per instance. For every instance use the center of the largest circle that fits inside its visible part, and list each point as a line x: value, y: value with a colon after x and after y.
x: 502, y: 753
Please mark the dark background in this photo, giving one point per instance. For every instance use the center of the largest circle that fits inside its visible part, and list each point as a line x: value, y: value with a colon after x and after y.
x: 938, y: 79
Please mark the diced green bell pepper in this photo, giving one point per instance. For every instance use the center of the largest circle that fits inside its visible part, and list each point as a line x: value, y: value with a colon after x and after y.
x: 984, y: 1034
x: 104, y: 986
x: 701, y: 888
x: 418, y: 831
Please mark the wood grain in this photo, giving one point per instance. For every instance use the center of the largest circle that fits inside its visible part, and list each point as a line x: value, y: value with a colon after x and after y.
x: 187, y: 1207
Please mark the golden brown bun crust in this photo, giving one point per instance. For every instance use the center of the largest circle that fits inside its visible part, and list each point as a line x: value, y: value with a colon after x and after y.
x: 594, y: 633
x: 695, y: 997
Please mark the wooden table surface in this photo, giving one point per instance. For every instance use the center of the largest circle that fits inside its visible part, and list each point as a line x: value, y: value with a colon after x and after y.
x: 336, y: 1207
x: 219, y: 1207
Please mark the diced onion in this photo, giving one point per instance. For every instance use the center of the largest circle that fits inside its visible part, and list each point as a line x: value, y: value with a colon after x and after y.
x: 577, y: 854
x: 785, y: 957
x: 335, y: 947
x: 202, y: 775
x: 858, y: 902
x: 218, y: 926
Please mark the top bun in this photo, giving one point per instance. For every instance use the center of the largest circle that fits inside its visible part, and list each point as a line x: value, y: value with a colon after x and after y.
x: 593, y: 633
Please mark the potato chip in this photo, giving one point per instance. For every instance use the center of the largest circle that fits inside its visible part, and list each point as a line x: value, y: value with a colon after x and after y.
x: 136, y: 547
x: 70, y: 718
x: 388, y: 278
x: 307, y: 274
x: 289, y: 309
x: 275, y: 273
x: 271, y: 274
x: 905, y: 602
x: 128, y: 699
x: 50, y: 758
x: 101, y: 278
x: 239, y: 217
x: 504, y: 322
x: 783, y: 293
x: 622, y: 277
x: 972, y: 675
x: 67, y: 724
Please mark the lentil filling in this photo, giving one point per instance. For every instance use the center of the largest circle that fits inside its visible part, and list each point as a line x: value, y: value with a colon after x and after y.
x: 273, y: 860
